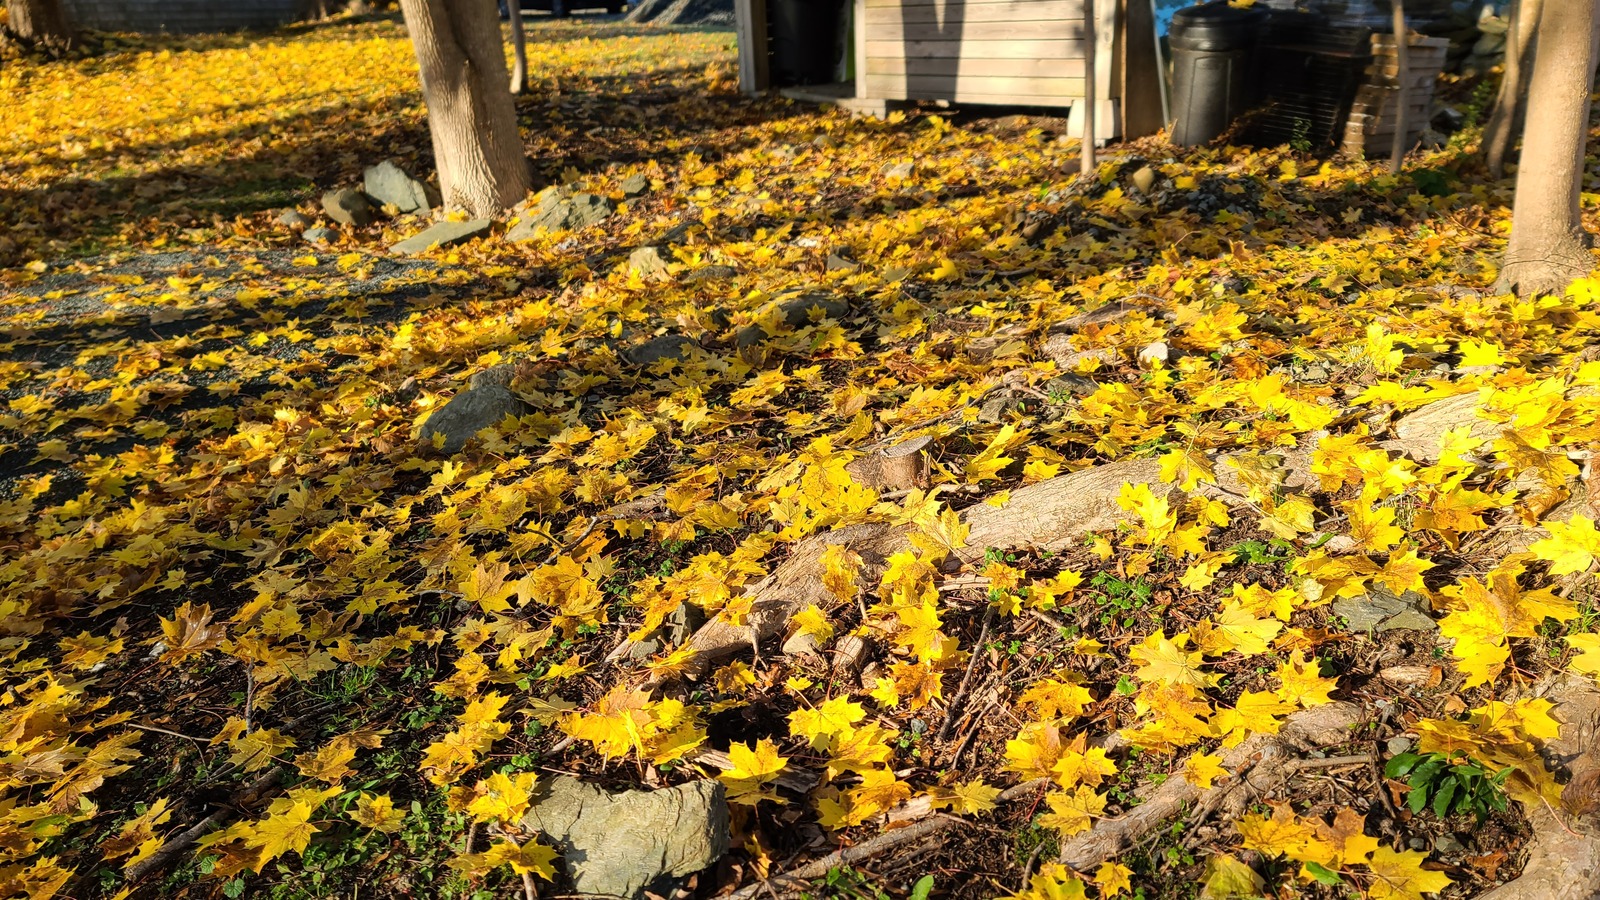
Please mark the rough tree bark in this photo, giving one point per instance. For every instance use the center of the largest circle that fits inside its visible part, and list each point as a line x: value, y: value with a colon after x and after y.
x: 1549, y: 248
x: 40, y: 22
x: 1505, y: 121
x: 471, y: 117
x: 519, y: 47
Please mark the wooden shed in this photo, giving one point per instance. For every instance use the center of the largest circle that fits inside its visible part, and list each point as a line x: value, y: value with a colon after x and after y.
x: 1028, y: 53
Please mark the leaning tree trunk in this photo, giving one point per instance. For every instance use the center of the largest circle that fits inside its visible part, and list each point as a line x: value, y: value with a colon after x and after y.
x: 1549, y: 248
x: 1506, y: 119
x: 1088, y: 164
x: 519, y: 47
x: 40, y: 22
x: 471, y: 116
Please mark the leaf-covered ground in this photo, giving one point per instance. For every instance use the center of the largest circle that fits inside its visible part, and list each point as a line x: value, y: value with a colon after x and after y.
x: 236, y: 590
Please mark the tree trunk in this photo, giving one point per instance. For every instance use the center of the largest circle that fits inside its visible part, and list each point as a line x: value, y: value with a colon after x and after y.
x: 471, y: 117
x: 1402, y: 74
x: 519, y: 47
x: 40, y: 22
x: 1549, y: 248
x: 1506, y: 119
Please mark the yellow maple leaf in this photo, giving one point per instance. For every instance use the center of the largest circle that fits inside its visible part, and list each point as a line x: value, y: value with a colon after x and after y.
x: 1161, y: 659
x: 1201, y: 769
x: 189, y: 632
x: 378, y: 812
x: 1073, y: 812
x: 285, y: 829
x: 502, y: 798
x: 1236, y: 630
x: 1571, y: 547
x: 1400, y: 875
x: 753, y: 768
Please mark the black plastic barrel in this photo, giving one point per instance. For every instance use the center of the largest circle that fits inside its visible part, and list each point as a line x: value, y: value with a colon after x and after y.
x: 1213, y: 54
x: 806, y: 40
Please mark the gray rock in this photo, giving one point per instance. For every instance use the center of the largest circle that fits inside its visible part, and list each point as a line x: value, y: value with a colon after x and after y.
x: 499, y: 376
x: 1398, y: 745
x: 555, y: 213
x: 795, y: 313
x: 389, y: 185
x: 1070, y: 383
x: 666, y: 346
x: 1381, y: 610
x: 801, y: 644
x: 674, y: 631
x: 635, y: 185
x: 620, y: 844
x: 1447, y: 843
x: 902, y: 170
x: 348, y: 206
x: 1154, y: 353
x: 468, y: 413
x: 294, y: 218
x: 320, y: 235
x: 710, y: 273
x: 993, y: 411
x: 838, y: 263
x: 649, y: 263
x: 442, y: 234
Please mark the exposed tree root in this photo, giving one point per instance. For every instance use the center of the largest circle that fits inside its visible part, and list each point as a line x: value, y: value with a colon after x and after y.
x: 1258, y: 765
x: 1565, y: 861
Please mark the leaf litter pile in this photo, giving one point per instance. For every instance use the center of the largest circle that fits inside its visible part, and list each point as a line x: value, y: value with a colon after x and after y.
x: 1206, y: 526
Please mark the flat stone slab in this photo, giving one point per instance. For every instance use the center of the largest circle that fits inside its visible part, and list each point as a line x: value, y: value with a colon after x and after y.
x: 1381, y: 610
x: 389, y: 184
x: 619, y: 845
x: 444, y: 234
x: 468, y: 413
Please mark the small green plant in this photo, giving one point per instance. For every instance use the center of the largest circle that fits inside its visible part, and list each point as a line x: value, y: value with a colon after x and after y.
x: 1120, y: 598
x: 845, y: 883
x: 1449, y: 784
x: 1300, y: 135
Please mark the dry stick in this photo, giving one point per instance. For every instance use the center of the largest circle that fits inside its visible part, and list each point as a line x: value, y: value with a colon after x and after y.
x: 1402, y: 73
x: 954, y: 706
x: 187, y: 839
x: 870, y: 848
x: 529, y: 889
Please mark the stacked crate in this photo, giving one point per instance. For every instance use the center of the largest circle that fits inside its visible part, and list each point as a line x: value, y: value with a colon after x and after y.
x: 1374, y: 115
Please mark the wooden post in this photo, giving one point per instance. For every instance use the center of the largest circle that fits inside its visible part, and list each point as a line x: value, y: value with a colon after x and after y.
x: 1089, y: 98
x: 750, y: 20
x: 1402, y: 74
x: 858, y: 27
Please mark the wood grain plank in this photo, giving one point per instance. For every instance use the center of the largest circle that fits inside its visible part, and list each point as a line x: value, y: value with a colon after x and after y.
x: 964, y: 49
x: 1032, y: 68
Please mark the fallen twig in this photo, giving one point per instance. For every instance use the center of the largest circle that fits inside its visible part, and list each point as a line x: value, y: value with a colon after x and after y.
x: 953, y: 708
x: 178, y: 845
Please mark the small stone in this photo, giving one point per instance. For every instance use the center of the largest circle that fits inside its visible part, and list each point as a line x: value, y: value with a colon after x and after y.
x: 710, y: 273
x: 621, y: 844
x: 901, y: 170
x: 1447, y: 843
x: 1059, y: 348
x: 802, y: 643
x: 1417, y: 843
x: 554, y: 213
x: 389, y: 185
x: 1070, y: 383
x: 796, y: 313
x: 468, y: 413
x: 320, y: 235
x: 648, y: 262
x: 1409, y: 676
x: 993, y: 410
x: 1398, y: 745
x: 1144, y: 179
x: 295, y: 219
x: 635, y: 185
x: 442, y: 234
x: 1381, y: 610
x: 1156, y: 353
x: 666, y: 346
x: 1316, y: 373
x: 838, y: 263
x: 348, y: 206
